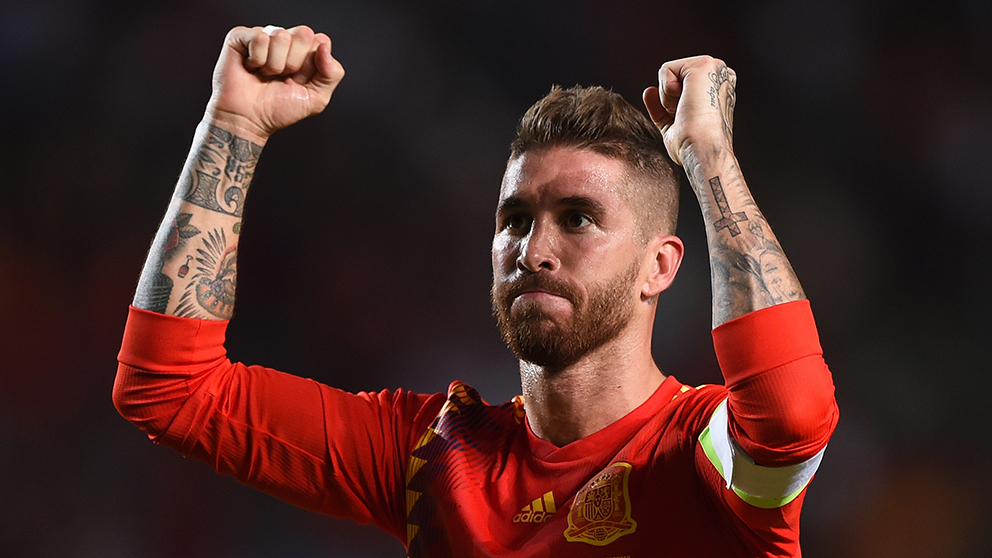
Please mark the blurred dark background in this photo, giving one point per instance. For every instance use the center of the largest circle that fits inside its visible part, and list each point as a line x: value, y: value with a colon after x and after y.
x: 862, y: 127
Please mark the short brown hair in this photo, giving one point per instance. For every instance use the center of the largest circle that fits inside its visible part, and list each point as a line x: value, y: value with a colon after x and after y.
x: 604, y: 122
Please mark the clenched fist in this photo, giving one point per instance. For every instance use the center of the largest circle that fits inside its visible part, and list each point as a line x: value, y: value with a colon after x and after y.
x: 269, y: 78
x: 693, y: 105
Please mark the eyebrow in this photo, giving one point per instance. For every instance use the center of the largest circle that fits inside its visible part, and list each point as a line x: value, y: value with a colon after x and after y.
x: 584, y: 203
x: 510, y: 203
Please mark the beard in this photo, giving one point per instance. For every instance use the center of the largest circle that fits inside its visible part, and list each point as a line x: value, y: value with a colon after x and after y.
x: 537, y: 337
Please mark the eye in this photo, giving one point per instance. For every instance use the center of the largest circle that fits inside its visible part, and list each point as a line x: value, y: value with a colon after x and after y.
x: 516, y: 222
x: 577, y: 220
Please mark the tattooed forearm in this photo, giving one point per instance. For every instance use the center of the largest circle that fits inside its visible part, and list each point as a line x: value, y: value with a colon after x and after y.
x: 223, y: 169
x: 752, y: 278
x: 191, y: 272
x: 728, y: 219
x: 749, y: 269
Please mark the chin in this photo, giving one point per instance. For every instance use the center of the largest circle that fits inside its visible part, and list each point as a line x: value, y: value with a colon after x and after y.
x: 545, y: 343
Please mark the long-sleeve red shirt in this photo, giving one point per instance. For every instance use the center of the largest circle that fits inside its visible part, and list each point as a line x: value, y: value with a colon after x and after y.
x: 451, y: 475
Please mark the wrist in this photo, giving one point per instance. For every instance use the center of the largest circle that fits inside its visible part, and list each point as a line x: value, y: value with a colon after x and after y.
x: 705, y: 149
x: 237, y: 125
x: 702, y: 160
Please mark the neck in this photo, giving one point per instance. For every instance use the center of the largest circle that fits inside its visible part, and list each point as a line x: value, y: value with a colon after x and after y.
x: 566, y: 404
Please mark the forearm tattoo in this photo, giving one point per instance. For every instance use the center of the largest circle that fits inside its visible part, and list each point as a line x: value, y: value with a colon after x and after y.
x: 744, y: 281
x: 211, y: 288
x: 217, y: 180
x: 729, y: 219
x: 155, y: 296
x: 224, y: 168
x: 154, y: 292
x: 749, y: 269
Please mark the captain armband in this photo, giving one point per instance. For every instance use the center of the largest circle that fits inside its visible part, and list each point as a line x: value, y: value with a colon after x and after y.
x: 763, y: 487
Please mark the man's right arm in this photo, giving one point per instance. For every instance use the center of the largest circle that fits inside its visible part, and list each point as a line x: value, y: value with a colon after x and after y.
x: 308, y: 444
x: 265, y: 79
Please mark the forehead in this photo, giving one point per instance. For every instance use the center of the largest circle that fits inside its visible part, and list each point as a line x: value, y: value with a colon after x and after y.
x: 561, y: 172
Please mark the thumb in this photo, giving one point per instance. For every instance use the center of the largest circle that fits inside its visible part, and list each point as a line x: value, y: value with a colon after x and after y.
x: 670, y: 81
x: 652, y: 102
x: 329, y: 72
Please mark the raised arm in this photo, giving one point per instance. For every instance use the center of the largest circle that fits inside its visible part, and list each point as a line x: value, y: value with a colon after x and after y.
x: 694, y: 108
x: 308, y: 444
x: 265, y: 79
x: 780, y: 409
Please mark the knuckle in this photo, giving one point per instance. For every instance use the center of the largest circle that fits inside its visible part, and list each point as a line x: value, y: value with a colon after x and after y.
x: 302, y: 31
x: 281, y: 36
x: 260, y: 40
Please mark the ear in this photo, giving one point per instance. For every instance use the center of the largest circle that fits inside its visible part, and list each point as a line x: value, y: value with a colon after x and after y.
x: 662, y: 260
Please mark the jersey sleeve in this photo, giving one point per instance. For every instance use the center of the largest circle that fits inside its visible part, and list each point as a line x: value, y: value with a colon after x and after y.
x: 767, y: 438
x: 781, y: 406
x: 311, y: 445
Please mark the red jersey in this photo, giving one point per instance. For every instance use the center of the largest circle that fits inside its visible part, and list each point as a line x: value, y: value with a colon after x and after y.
x: 707, y: 471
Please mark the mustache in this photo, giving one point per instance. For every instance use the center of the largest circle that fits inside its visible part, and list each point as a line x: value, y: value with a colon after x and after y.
x: 538, y: 282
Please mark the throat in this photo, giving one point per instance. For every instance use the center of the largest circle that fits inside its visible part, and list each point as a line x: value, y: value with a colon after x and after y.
x: 566, y: 405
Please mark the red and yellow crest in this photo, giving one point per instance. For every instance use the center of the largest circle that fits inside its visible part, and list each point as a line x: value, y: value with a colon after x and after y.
x: 600, y: 513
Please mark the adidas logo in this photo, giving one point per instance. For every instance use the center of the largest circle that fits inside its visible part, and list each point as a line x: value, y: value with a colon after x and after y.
x: 538, y: 511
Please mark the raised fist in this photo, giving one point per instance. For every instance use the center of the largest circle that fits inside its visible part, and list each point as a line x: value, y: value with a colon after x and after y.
x: 269, y: 78
x: 693, y: 104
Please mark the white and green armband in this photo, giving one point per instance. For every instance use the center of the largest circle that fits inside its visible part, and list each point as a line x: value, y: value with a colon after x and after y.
x: 763, y: 487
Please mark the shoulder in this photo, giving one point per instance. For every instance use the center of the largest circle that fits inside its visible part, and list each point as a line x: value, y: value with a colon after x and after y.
x: 669, y: 424
x: 692, y: 406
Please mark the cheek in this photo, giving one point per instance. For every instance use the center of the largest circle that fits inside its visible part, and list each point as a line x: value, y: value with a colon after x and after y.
x: 585, y: 254
x: 503, y: 254
x: 597, y: 260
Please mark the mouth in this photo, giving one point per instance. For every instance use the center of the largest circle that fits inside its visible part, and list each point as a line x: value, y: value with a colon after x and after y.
x: 534, y: 297
x: 537, y: 295
x: 539, y: 288
x: 536, y: 290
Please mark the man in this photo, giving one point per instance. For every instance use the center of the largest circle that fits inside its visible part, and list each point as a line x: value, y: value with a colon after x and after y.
x: 603, y: 455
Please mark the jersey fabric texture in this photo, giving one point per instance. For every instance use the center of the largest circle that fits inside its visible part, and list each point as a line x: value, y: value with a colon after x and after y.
x: 450, y: 475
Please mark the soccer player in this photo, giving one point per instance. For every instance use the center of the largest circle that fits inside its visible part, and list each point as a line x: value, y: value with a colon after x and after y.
x: 603, y: 455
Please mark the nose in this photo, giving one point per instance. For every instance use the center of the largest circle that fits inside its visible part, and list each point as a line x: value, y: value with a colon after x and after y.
x: 537, y: 250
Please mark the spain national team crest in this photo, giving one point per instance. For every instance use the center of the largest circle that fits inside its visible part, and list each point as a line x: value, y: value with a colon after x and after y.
x: 600, y: 513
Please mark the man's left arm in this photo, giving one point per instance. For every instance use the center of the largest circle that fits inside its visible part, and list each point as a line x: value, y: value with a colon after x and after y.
x: 695, y: 110
x: 781, y: 410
